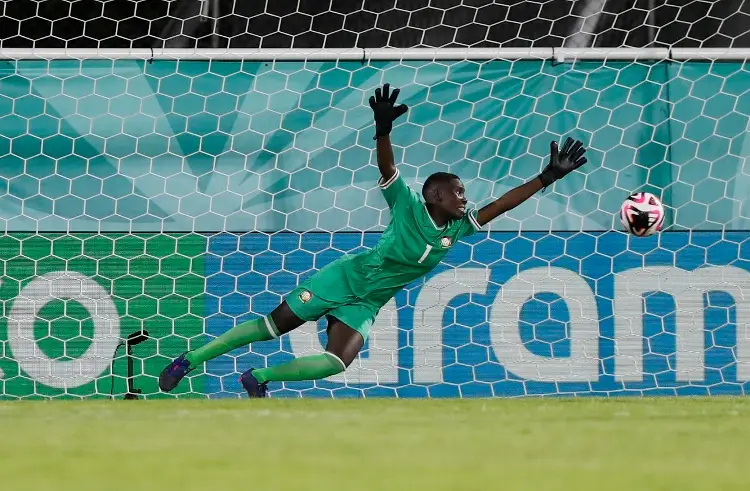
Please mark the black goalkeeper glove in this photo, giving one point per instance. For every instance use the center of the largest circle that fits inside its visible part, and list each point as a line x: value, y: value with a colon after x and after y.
x: 563, y: 162
x: 385, y: 111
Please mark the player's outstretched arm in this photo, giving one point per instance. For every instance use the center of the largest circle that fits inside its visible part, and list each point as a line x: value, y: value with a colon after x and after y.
x: 385, y: 112
x: 385, y: 158
x: 561, y: 163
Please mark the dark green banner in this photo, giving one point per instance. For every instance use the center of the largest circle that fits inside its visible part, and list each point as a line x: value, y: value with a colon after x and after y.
x: 70, y: 300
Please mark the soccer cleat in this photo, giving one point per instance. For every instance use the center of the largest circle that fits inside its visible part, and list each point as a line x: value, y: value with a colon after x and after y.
x: 254, y: 388
x: 173, y: 373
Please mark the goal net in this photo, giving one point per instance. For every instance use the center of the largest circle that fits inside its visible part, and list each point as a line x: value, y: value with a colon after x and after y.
x: 179, y: 166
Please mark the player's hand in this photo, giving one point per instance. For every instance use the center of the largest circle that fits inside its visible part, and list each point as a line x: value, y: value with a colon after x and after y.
x: 384, y: 109
x: 564, y: 161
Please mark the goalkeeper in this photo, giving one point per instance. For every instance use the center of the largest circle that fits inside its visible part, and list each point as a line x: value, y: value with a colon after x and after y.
x: 352, y: 289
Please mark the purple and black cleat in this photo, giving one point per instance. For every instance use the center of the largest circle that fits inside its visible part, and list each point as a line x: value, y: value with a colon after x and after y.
x: 254, y: 388
x: 173, y: 373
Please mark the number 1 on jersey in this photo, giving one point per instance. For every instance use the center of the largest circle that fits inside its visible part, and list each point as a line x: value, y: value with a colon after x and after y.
x: 426, y: 251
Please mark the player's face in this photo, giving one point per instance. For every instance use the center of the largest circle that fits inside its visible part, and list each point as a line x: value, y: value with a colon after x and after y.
x: 453, y: 200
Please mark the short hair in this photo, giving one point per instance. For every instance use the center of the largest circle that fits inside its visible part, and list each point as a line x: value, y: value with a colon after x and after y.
x: 436, y: 179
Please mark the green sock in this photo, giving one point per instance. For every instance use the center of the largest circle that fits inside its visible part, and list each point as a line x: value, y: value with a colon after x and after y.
x: 311, y: 367
x: 261, y: 329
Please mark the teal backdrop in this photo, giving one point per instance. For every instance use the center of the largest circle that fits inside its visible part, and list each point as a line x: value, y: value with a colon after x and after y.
x: 102, y: 145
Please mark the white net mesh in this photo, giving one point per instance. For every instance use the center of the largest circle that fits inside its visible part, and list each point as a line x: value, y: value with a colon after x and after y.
x: 373, y: 23
x: 185, y: 196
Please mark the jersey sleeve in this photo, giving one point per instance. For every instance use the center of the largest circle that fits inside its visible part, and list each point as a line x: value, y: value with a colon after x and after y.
x: 468, y: 224
x: 396, y: 192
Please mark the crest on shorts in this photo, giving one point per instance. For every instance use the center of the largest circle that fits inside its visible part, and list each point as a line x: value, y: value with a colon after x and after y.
x: 305, y: 296
x: 446, y: 242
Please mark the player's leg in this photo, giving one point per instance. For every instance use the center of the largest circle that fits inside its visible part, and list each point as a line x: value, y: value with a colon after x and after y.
x: 281, y: 321
x: 343, y: 345
x: 309, y: 301
x: 348, y: 328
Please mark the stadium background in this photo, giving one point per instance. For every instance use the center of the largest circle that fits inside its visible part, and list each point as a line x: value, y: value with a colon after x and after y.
x: 183, y: 196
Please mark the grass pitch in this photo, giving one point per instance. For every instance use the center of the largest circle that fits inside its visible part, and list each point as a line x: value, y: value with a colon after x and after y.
x: 525, y: 444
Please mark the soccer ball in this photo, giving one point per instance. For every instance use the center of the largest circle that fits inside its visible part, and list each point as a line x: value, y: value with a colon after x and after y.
x: 642, y: 214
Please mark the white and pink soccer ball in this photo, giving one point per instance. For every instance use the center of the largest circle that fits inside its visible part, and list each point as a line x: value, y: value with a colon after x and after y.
x: 642, y: 214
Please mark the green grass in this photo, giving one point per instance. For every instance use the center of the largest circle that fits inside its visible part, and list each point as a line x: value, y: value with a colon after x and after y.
x: 523, y: 444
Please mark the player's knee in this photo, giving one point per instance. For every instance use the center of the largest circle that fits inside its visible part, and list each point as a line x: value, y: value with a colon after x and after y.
x: 343, y: 341
x: 342, y: 360
x: 344, y: 352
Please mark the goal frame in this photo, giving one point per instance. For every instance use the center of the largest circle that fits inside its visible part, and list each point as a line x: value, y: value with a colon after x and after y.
x: 418, y: 317
x: 389, y: 54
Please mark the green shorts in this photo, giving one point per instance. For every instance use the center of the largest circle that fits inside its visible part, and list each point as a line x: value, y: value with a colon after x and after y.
x: 327, y: 292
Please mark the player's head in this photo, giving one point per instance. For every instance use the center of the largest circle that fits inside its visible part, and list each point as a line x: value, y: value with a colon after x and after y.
x: 446, y: 192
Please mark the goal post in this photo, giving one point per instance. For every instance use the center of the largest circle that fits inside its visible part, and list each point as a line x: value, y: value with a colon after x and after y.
x: 182, y: 190
x: 386, y: 54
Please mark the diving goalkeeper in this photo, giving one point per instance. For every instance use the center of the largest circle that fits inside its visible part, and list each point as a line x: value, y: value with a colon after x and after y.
x: 351, y: 290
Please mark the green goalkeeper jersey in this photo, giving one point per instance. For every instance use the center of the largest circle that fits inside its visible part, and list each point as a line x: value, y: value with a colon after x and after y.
x: 410, y: 247
x: 354, y: 288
